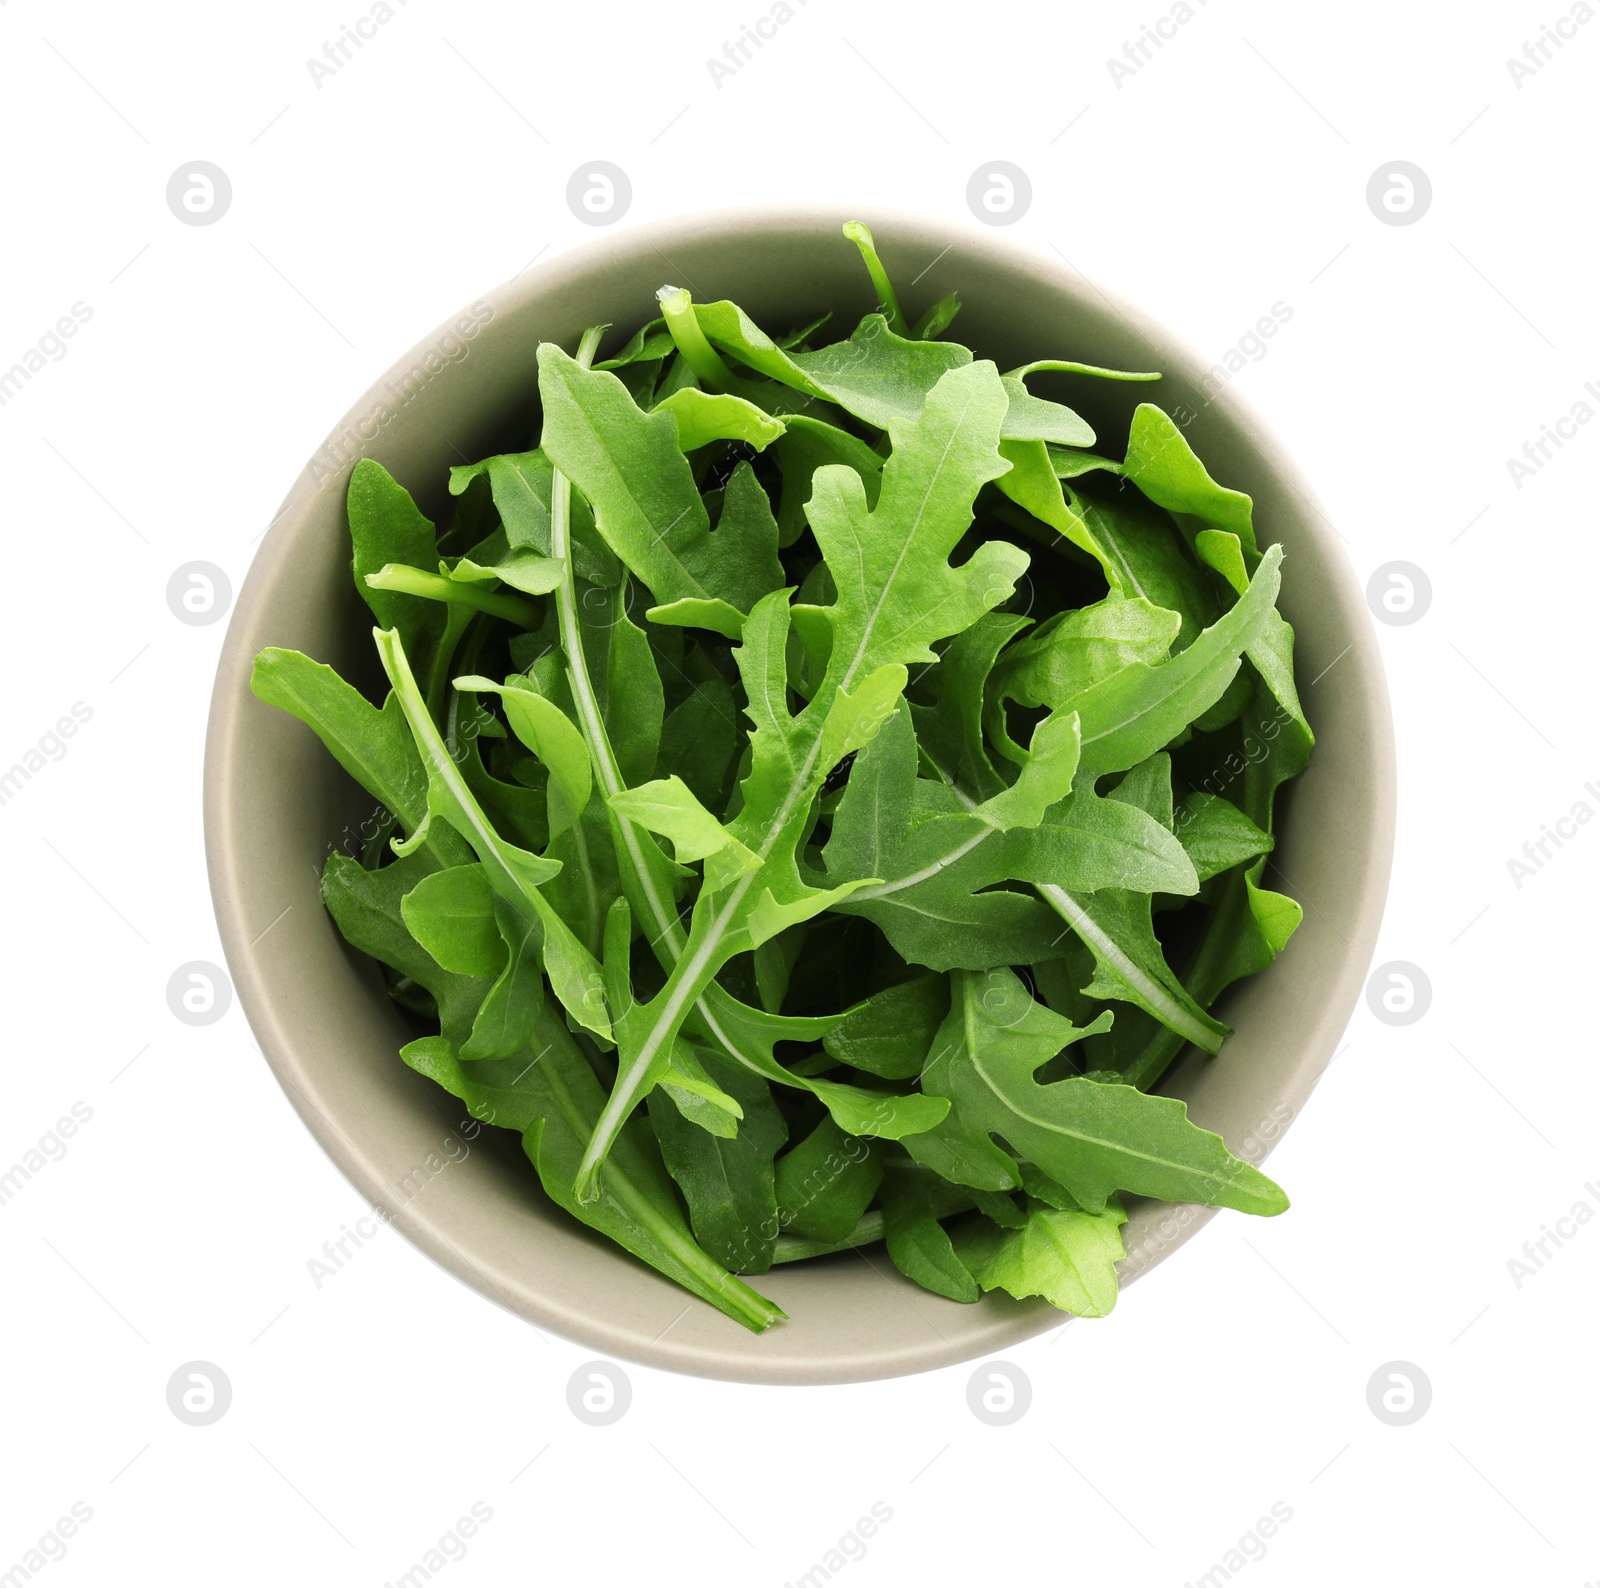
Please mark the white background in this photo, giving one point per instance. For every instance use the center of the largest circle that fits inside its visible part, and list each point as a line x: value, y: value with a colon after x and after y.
x: 1228, y: 173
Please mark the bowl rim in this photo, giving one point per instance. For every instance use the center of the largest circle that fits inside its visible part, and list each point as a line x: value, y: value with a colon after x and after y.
x: 224, y: 853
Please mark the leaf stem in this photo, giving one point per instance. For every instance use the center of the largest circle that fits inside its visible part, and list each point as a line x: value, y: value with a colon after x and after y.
x: 861, y: 236
x: 400, y: 577
x: 677, y: 308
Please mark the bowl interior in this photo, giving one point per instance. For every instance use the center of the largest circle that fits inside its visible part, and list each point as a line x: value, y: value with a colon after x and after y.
x: 276, y: 803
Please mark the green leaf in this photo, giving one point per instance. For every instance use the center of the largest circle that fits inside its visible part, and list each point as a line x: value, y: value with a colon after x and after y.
x: 917, y: 1242
x: 1141, y: 708
x: 1032, y: 483
x: 669, y: 807
x: 373, y: 746
x: 1095, y: 1139
x: 386, y: 529
x: 451, y: 914
x: 520, y: 568
x: 1164, y: 466
x: 704, y: 417
x: 697, y: 1097
x: 1272, y: 653
x: 1068, y: 1258
x: 1146, y: 552
x: 700, y: 737
x: 1217, y: 835
x: 522, y: 484
x: 513, y: 873
x: 1030, y: 418
x: 950, y: 732
x: 554, y: 1097
x: 366, y: 907
x: 513, y: 1006
x: 939, y: 861
x: 825, y: 1182
x: 805, y: 446
x: 464, y: 592
x: 890, y: 1034
x: 1077, y: 649
x: 750, y: 1036
x: 629, y: 466
x: 651, y: 341
x: 936, y: 318
x: 542, y: 727
x: 878, y: 376
x: 1068, y: 463
x: 729, y: 1184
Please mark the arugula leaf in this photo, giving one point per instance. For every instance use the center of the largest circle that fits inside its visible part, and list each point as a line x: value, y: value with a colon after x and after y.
x: 366, y: 907
x: 704, y: 417
x: 729, y: 1184
x: 1217, y: 835
x: 522, y: 484
x: 1069, y: 1258
x: 918, y: 1244
x: 889, y: 1034
x: 544, y: 728
x: 1094, y: 1138
x: 1030, y: 418
x: 825, y: 1182
x: 514, y: 874
x: 630, y: 467
x: 387, y: 530
x: 512, y: 1007
x: 451, y: 914
x: 805, y: 446
x: 1164, y: 466
x: 939, y: 860
x: 374, y: 746
x: 1140, y: 708
x: 552, y: 1098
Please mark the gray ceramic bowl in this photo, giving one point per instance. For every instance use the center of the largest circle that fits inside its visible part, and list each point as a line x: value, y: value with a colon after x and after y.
x: 275, y: 801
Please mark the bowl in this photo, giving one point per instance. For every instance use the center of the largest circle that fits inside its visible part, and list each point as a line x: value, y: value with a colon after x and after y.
x: 275, y: 801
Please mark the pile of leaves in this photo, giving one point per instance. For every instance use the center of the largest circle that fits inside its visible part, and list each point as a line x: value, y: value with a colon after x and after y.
x: 820, y: 797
